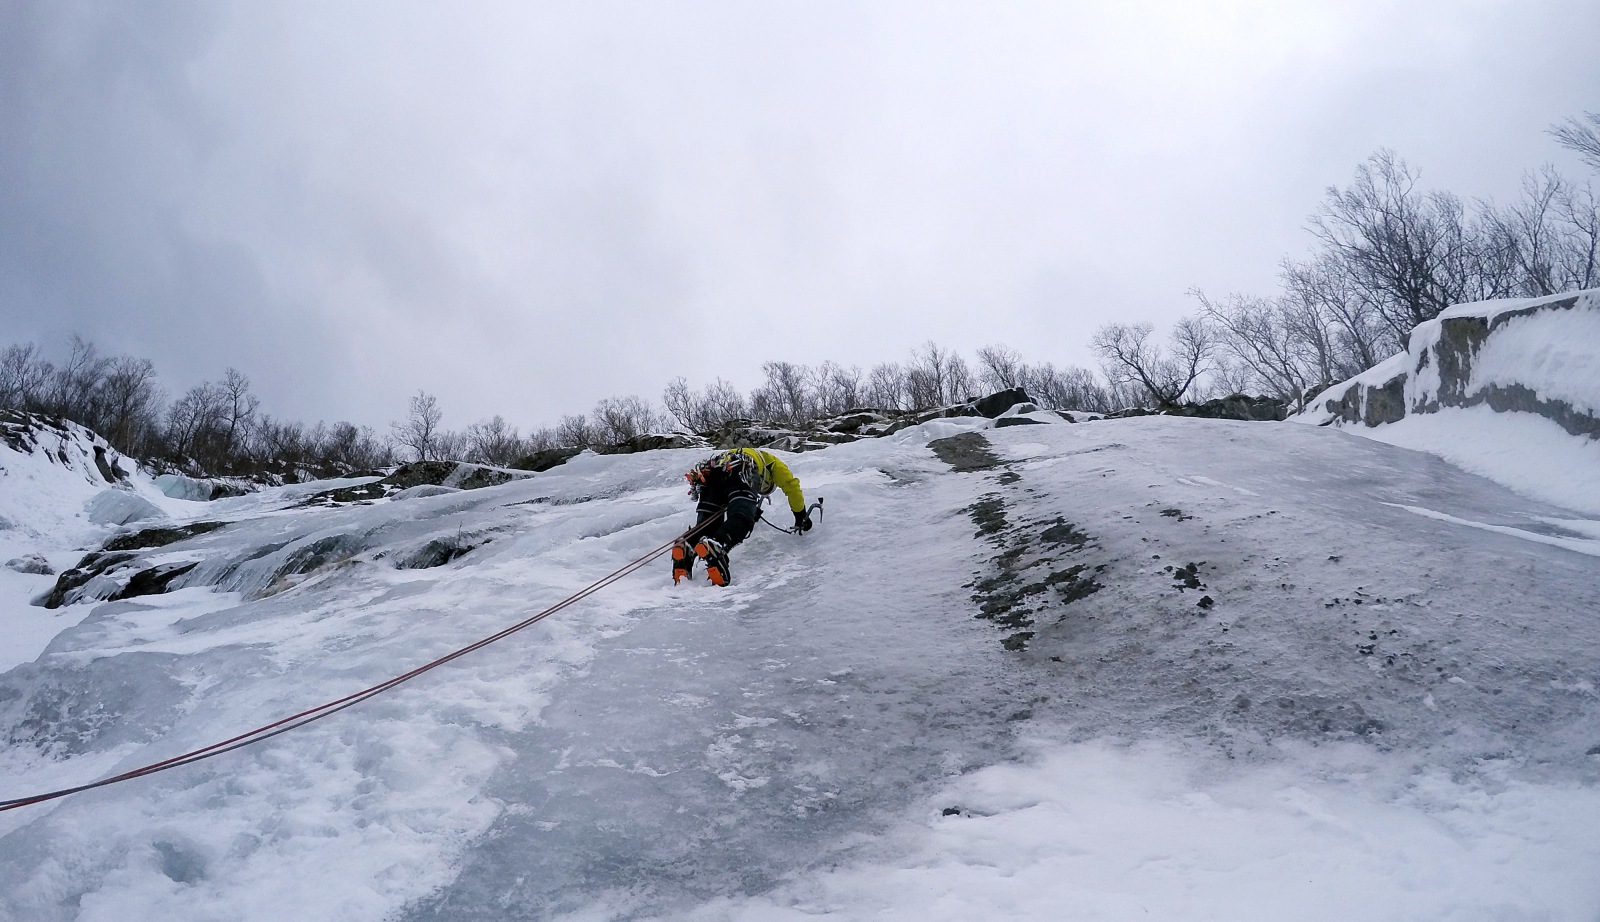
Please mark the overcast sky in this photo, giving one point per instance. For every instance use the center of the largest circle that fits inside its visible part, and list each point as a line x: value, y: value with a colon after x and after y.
x: 524, y: 207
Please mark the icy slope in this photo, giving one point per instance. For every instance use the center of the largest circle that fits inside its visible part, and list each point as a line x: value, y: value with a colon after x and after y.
x: 1394, y: 670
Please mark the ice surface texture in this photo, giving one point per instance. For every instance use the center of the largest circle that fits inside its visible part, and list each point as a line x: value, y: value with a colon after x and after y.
x: 1391, y: 637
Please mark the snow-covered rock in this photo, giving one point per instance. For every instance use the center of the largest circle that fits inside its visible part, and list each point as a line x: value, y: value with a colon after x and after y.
x: 1537, y: 355
x: 120, y: 507
x: 1506, y: 389
x: 50, y: 470
x: 198, y: 489
x: 34, y: 564
x: 63, y: 443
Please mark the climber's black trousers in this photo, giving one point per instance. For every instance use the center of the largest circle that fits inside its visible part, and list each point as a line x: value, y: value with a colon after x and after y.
x: 728, y: 510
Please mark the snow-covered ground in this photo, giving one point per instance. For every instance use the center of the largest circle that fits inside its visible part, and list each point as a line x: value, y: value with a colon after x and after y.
x: 1230, y: 670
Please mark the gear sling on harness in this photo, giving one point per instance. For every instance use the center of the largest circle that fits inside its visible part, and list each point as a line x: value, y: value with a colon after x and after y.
x: 728, y: 488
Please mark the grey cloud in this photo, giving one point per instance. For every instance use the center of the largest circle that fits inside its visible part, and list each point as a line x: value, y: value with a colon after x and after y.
x: 526, y: 207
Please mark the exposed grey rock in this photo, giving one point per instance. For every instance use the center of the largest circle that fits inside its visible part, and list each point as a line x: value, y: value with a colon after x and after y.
x: 854, y: 421
x: 436, y: 553
x: 654, y: 442
x: 153, y: 581
x: 158, y: 537
x: 997, y: 403
x: 1235, y: 406
x: 967, y: 451
x: 547, y: 458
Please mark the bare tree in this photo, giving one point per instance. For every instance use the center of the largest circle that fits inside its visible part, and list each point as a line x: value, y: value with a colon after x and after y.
x: 1529, y: 231
x: 618, y: 419
x: 1578, y: 212
x: 194, y: 420
x: 1001, y: 368
x: 838, y: 388
x: 1360, y: 337
x: 960, y: 383
x: 282, y: 441
x: 1069, y: 388
x: 493, y: 442
x: 23, y: 376
x: 1080, y: 389
x: 788, y: 395
x: 680, y: 404
x: 718, y: 404
x: 350, y: 448
x: 240, y: 408
x: 1581, y: 136
x: 575, y: 431
x: 722, y: 403
x: 74, y: 387
x: 936, y: 376
x: 1260, y: 339
x: 1412, y: 252
x: 421, y: 432
x: 1131, y: 357
x: 886, y: 387
x: 128, y: 399
x: 541, y: 439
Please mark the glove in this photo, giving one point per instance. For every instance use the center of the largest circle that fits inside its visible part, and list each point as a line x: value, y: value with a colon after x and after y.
x: 802, y: 521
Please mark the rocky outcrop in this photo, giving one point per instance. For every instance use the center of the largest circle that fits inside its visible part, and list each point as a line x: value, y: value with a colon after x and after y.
x: 453, y: 474
x: 1539, y: 356
x: 64, y: 443
x: 1235, y: 406
x: 854, y: 424
x: 200, y: 489
x: 654, y: 442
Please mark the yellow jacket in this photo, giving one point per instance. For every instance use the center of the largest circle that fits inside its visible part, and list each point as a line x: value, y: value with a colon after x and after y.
x: 770, y: 471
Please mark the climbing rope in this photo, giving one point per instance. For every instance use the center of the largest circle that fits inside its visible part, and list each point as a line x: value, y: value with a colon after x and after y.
x: 294, y: 721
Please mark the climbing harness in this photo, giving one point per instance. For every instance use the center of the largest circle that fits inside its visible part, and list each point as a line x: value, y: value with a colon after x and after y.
x: 733, y: 463
x: 293, y: 721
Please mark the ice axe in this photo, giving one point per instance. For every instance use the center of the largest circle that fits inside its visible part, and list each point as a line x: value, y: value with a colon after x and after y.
x: 814, y: 507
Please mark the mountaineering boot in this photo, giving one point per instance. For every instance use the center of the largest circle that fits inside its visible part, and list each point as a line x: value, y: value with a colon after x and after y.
x: 682, y: 562
x: 716, y: 561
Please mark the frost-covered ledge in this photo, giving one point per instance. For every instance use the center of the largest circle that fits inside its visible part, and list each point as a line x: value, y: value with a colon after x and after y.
x: 1535, y: 355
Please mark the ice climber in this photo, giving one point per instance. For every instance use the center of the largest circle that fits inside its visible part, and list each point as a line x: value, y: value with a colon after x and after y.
x: 729, y: 488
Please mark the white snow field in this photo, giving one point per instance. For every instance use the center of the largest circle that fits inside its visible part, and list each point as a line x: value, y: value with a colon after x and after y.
x: 1226, y: 671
